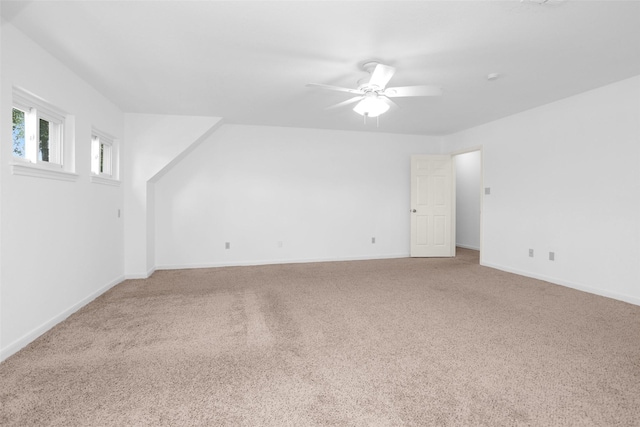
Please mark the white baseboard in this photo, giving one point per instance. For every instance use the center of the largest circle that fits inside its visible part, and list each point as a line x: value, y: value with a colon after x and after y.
x: 141, y: 276
x: 136, y: 276
x: 278, y: 261
x: 23, y: 341
x: 461, y: 245
x: 602, y: 292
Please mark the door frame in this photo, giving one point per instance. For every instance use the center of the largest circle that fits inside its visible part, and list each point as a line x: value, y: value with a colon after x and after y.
x: 472, y: 149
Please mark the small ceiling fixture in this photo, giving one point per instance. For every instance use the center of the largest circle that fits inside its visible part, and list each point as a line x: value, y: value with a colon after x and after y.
x: 493, y: 76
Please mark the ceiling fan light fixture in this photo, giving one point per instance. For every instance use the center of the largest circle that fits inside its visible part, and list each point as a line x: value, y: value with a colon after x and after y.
x: 371, y: 107
x: 372, y: 96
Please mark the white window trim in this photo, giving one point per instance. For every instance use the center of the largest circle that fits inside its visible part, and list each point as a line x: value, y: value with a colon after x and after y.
x: 102, y: 178
x: 64, y: 170
x: 29, y: 169
x: 97, y: 179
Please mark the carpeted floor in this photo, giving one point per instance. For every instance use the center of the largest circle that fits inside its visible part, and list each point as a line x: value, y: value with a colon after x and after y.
x: 415, y: 342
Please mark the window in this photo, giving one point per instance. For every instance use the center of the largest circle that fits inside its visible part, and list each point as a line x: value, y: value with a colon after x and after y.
x: 38, y: 130
x: 103, y: 157
x: 18, y: 132
x: 42, y: 138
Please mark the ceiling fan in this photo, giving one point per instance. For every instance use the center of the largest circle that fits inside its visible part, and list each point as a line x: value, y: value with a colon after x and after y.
x: 372, y: 96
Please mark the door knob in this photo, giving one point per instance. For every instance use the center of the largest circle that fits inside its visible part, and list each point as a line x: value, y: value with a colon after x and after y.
x: 414, y: 211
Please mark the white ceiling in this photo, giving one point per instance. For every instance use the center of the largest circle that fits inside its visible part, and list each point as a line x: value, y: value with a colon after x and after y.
x: 249, y: 61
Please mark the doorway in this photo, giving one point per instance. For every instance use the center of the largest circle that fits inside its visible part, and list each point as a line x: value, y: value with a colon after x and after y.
x: 469, y: 187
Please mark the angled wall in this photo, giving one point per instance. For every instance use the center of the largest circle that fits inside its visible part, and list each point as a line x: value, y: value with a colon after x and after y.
x: 153, y: 143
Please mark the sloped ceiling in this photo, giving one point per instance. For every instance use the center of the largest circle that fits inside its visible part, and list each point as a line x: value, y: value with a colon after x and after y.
x: 248, y: 62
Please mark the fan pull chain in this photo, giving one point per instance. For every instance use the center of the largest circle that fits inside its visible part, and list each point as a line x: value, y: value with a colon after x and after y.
x: 365, y: 115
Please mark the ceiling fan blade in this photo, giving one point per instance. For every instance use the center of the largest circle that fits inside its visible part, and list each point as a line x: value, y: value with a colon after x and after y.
x: 336, y: 88
x: 381, y: 75
x: 347, y: 102
x: 396, y: 92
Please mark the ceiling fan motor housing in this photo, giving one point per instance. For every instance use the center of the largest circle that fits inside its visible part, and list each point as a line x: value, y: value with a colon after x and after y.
x: 369, y: 66
x: 363, y: 83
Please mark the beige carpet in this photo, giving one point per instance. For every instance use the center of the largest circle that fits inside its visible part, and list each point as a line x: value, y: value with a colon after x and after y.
x: 416, y: 342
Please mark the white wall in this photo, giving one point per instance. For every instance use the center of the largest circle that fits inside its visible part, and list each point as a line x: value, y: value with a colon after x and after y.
x: 62, y: 242
x: 565, y: 177
x: 154, y: 142
x: 323, y: 194
x: 468, y: 182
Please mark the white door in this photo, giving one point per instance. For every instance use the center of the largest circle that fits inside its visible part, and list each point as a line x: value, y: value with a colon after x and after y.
x: 432, y: 207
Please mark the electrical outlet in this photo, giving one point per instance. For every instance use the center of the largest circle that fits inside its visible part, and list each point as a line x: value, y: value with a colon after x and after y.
x: 118, y: 213
x: 227, y: 245
x: 487, y: 190
x: 552, y: 256
x: 373, y: 240
x: 531, y: 253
